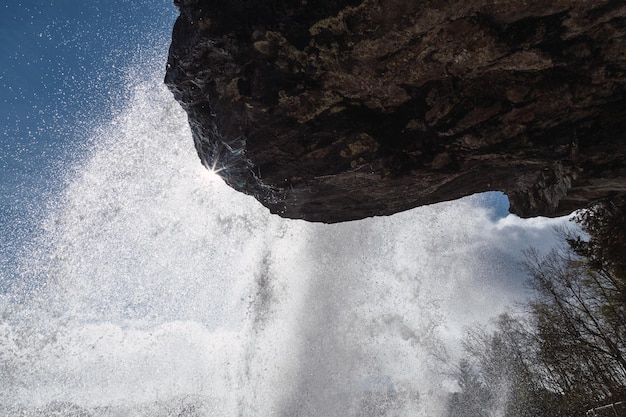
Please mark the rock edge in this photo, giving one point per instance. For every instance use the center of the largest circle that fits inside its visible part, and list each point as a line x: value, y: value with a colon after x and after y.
x: 339, y: 110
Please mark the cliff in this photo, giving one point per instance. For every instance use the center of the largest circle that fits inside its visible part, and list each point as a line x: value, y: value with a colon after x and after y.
x: 333, y: 110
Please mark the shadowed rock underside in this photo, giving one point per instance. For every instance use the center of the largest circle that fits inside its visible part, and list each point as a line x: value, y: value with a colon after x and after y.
x: 339, y: 110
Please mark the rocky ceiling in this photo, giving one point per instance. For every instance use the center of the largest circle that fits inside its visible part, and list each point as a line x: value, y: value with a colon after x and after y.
x: 332, y: 110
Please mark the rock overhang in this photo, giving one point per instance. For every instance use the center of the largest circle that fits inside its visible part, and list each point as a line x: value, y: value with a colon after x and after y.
x: 339, y: 110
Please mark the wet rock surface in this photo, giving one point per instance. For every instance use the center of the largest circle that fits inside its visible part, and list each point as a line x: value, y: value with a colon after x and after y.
x: 339, y: 110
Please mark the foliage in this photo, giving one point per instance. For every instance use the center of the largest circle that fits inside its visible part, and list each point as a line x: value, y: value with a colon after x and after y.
x: 567, y: 354
x: 605, y: 224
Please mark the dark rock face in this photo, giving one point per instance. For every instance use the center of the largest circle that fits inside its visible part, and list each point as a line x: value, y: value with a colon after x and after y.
x: 331, y: 110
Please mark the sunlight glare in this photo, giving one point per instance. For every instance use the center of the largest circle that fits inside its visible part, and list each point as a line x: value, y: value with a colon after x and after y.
x: 211, y: 175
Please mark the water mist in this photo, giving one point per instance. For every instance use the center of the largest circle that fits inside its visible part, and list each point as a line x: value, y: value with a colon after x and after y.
x: 155, y: 290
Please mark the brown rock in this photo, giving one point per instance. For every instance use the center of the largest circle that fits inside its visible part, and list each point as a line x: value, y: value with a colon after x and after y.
x: 334, y: 110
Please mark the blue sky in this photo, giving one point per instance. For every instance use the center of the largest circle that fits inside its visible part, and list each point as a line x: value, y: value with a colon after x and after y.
x: 62, y: 65
x: 63, y: 74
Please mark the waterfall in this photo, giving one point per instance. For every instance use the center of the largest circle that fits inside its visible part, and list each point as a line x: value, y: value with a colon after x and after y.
x: 152, y: 289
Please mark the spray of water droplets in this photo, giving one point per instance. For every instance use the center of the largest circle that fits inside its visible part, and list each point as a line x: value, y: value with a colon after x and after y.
x: 155, y: 290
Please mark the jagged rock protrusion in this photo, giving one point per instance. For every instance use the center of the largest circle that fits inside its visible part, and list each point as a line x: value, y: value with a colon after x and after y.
x: 334, y: 110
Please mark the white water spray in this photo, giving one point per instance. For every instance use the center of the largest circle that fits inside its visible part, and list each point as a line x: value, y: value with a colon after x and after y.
x: 154, y: 290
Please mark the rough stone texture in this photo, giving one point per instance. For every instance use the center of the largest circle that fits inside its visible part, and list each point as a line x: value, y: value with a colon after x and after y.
x: 331, y: 110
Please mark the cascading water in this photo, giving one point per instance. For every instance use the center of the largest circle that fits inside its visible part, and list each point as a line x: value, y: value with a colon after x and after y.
x: 155, y: 290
